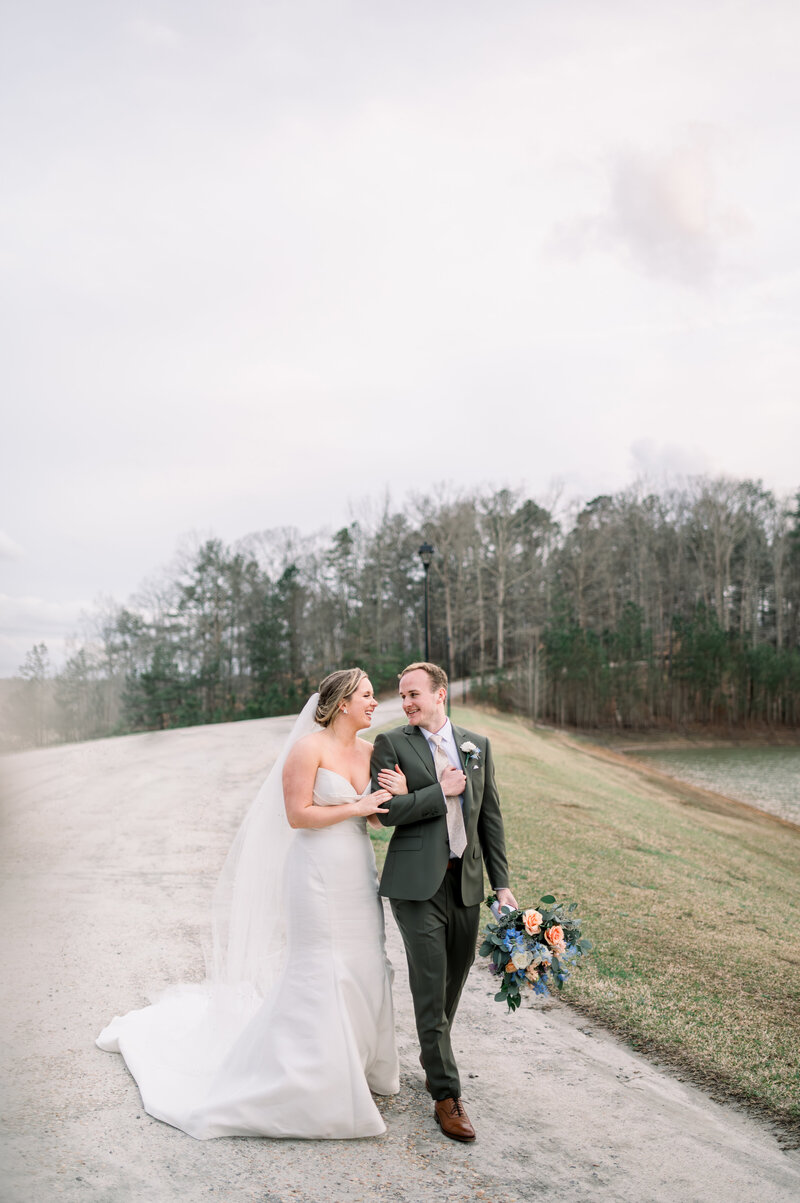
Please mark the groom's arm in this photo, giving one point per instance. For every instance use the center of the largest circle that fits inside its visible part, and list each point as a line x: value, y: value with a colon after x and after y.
x: 491, y: 831
x: 425, y: 803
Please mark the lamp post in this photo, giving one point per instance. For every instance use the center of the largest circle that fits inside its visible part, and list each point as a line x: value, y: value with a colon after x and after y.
x: 425, y: 553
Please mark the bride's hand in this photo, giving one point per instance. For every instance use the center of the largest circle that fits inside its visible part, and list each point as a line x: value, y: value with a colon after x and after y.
x: 393, y: 780
x: 370, y: 804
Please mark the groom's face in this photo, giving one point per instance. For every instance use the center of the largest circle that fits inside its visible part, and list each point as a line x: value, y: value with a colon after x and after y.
x: 423, y: 705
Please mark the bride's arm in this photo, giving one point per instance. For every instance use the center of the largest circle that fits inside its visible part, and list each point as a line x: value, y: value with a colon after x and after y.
x: 299, y: 774
x: 425, y: 803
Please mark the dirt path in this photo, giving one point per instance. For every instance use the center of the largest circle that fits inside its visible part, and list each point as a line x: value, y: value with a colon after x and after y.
x: 110, y: 851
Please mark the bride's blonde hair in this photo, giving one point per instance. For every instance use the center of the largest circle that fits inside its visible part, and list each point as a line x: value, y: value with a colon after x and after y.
x: 335, y: 689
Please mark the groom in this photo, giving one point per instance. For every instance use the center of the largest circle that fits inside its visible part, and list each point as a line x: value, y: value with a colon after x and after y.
x: 434, y: 869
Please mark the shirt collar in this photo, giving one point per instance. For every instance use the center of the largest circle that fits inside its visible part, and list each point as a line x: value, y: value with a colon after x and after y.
x: 445, y: 732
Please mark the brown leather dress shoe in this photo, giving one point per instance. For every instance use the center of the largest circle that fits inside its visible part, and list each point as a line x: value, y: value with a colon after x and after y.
x: 453, y: 1119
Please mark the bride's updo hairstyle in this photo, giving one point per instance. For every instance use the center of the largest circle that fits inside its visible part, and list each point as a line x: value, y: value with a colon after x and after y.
x: 335, y: 689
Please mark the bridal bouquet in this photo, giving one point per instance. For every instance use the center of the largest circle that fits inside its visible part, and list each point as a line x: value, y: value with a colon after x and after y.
x: 532, y: 948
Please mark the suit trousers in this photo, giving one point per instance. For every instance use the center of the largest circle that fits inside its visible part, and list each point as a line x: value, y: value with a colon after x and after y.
x: 439, y: 934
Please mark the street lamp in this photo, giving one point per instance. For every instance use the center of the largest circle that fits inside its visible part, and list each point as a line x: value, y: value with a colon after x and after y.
x: 425, y: 553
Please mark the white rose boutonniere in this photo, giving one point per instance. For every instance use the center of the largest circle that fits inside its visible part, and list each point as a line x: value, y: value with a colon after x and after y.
x: 471, y: 752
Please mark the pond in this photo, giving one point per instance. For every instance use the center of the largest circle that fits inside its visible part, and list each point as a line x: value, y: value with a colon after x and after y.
x: 768, y: 777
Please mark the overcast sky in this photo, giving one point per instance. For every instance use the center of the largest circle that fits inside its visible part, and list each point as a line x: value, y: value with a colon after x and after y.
x: 262, y: 260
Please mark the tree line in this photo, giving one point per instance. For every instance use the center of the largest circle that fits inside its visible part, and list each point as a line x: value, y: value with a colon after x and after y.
x: 637, y: 609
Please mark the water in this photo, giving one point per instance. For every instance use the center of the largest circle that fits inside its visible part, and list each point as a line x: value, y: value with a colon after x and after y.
x: 765, y: 777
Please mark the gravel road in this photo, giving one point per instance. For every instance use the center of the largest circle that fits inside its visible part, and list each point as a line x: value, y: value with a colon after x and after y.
x: 110, y: 851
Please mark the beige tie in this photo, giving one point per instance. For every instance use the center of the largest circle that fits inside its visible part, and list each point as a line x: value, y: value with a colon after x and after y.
x: 456, y: 831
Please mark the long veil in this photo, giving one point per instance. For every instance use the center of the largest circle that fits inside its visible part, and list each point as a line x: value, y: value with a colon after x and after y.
x: 174, y: 1046
x: 248, y: 909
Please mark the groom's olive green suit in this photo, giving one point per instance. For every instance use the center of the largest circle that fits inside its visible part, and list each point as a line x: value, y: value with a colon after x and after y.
x: 436, y: 902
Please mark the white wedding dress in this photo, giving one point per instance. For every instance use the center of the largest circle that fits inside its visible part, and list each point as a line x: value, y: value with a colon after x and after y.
x: 220, y: 1060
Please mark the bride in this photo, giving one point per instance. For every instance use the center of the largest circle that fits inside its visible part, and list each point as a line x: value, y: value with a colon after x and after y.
x: 293, y: 1029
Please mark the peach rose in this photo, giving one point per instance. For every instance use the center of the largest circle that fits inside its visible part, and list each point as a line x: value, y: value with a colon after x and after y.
x: 554, y: 935
x: 532, y: 922
x: 511, y: 967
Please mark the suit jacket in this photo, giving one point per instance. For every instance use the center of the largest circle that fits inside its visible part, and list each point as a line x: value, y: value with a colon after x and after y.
x: 416, y: 860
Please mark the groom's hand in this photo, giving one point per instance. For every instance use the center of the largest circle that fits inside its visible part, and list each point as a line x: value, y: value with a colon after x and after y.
x: 506, y: 898
x: 453, y: 782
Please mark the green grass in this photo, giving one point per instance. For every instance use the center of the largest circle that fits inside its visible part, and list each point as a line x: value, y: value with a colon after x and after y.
x: 693, y: 906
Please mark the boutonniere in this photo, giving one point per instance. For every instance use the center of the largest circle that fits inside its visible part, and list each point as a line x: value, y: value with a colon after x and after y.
x: 471, y: 752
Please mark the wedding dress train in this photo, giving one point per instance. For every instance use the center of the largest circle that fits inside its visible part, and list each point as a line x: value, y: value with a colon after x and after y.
x: 219, y: 1060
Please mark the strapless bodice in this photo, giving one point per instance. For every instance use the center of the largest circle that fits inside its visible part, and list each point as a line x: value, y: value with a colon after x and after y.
x: 332, y: 789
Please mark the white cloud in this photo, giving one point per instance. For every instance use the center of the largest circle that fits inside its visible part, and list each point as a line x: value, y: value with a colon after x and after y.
x: 25, y: 621
x: 665, y: 212
x: 18, y: 614
x: 663, y: 462
x: 153, y: 33
x: 9, y: 549
x: 663, y: 215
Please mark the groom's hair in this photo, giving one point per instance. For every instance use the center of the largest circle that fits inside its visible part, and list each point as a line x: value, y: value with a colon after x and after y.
x: 437, y: 675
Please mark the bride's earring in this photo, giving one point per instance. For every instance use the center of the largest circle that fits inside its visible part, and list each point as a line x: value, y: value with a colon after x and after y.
x: 344, y: 710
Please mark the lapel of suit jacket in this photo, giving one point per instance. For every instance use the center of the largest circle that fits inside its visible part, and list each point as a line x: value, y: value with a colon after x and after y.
x: 422, y: 748
x: 460, y: 736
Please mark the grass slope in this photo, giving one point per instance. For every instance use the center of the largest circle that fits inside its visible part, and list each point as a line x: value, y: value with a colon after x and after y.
x: 693, y: 905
